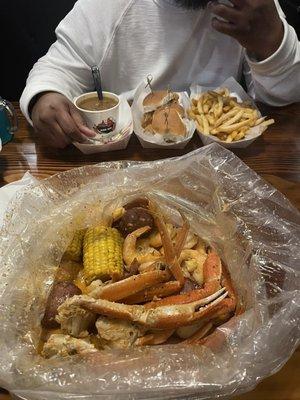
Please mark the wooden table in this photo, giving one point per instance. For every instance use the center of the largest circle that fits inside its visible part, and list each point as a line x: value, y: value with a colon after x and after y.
x: 275, y: 156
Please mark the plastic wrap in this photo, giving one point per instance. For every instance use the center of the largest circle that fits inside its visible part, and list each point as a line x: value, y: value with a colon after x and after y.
x: 253, y: 227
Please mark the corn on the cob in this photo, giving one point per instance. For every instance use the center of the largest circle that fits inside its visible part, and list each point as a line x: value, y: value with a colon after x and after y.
x: 74, y: 251
x: 102, y: 254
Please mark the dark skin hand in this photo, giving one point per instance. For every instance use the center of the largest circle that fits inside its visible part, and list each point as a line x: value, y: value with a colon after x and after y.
x: 58, y: 121
x: 255, y: 24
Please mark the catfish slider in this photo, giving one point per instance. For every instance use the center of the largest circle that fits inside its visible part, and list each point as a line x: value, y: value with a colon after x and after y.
x: 163, y: 115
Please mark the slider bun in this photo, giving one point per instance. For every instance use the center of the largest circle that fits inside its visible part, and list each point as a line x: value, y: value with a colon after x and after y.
x: 168, y: 122
x: 158, y: 99
x: 176, y: 106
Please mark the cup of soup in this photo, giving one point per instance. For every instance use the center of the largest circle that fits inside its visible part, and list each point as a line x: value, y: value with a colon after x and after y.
x: 102, y: 116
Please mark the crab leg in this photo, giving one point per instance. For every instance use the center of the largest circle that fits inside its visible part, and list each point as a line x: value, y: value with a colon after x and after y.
x: 212, y: 272
x: 170, y: 256
x: 200, y: 334
x: 161, y: 290
x: 222, y: 313
x: 182, y: 235
x: 154, y: 338
x: 166, y: 317
x: 227, y: 283
x: 130, y: 286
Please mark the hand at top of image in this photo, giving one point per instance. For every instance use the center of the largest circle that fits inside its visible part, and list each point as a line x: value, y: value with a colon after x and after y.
x: 255, y: 24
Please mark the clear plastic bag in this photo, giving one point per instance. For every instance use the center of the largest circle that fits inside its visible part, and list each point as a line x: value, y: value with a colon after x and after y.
x: 253, y: 227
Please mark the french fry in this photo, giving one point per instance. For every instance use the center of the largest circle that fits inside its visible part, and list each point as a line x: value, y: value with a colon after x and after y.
x: 224, y: 117
x: 199, y: 120
x: 205, y: 125
x: 213, y: 94
x: 191, y: 114
x: 268, y: 123
x: 260, y: 121
x: 234, y: 119
x: 240, y: 135
x: 234, y: 134
x: 199, y: 106
x: 231, y: 128
x: 211, y: 119
x: 220, y: 107
x: 206, y: 108
x: 199, y: 127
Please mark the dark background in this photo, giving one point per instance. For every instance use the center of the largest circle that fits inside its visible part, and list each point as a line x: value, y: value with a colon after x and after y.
x: 27, y: 30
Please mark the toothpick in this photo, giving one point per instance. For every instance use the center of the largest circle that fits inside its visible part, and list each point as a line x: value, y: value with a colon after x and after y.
x: 149, y: 80
x: 167, y: 114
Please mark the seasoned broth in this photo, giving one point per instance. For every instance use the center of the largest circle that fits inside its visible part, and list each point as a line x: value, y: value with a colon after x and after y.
x: 94, y: 104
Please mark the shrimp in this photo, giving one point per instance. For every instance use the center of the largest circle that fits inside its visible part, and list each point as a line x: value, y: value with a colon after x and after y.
x: 131, y: 252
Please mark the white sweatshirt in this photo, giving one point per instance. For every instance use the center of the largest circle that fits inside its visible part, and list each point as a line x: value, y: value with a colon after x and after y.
x: 129, y: 39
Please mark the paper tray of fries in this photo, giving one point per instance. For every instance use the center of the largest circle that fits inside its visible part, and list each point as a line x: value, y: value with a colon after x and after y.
x: 226, y: 115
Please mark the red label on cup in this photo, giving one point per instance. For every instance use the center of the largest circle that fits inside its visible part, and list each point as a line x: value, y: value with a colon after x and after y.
x: 106, y: 126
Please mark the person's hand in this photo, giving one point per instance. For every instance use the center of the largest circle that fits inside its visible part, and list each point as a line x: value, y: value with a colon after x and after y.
x: 58, y: 121
x: 256, y: 25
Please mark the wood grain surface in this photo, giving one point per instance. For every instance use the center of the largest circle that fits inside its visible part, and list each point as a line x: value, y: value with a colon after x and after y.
x: 275, y: 156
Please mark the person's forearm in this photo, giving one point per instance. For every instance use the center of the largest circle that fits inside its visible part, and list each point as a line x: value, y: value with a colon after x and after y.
x: 65, y: 68
x: 276, y: 80
x: 47, y: 76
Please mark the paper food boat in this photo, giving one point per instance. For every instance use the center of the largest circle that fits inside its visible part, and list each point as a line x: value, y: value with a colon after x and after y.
x: 149, y: 141
x: 236, y: 90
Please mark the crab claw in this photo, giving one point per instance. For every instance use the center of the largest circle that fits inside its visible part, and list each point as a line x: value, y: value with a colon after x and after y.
x: 165, y: 317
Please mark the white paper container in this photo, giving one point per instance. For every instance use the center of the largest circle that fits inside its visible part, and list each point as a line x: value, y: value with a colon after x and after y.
x: 237, y: 91
x: 156, y: 141
x: 94, y: 118
x: 125, y: 127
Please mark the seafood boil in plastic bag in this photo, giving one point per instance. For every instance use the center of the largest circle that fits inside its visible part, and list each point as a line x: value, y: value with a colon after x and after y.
x: 142, y: 282
x: 165, y: 279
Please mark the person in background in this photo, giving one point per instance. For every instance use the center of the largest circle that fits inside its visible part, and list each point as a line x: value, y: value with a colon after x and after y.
x: 178, y: 41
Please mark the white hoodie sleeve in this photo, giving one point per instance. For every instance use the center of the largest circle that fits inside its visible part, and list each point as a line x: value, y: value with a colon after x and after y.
x: 81, y: 43
x: 276, y: 80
